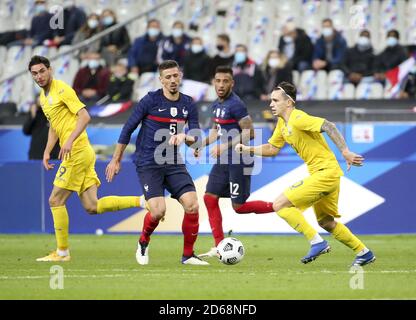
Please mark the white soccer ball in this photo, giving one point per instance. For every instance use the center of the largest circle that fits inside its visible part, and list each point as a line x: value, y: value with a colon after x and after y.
x: 230, y: 251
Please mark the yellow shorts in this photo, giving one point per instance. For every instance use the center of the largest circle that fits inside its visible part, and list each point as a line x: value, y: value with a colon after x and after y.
x: 320, y: 190
x: 78, y: 172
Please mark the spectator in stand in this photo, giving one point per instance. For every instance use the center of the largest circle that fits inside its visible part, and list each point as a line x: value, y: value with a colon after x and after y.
x: 91, y: 82
x: 275, y: 69
x: 329, y: 49
x: 248, y: 79
x: 409, y: 86
x: 224, y: 57
x: 297, y: 47
x: 116, y: 44
x: 89, y: 29
x: 74, y: 18
x: 120, y: 88
x: 196, y: 66
x: 175, y: 46
x: 359, y: 60
x: 40, y: 30
x: 143, y: 54
x: 37, y: 126
x: 391, y: 57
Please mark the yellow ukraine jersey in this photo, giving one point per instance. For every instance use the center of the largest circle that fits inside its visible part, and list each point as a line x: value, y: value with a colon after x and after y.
x: 60, y: 107
x: 303, y: 133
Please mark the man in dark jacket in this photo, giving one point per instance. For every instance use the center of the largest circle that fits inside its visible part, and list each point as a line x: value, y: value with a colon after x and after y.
x: 175, y: 46
x: 248, y: 78
x: 37, y: 126
x: 74, y: 18
x: 297, y: 47
x: 359, y: 60
x: 391, y: 57
x: 196, y: 65
x: 224, y: 57
x: 143, y: 54
x: 40, y: 29
x: 329, y: 49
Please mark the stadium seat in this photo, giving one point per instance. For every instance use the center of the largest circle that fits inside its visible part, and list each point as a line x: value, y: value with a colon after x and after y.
x: 366, y: 91
x: 313, y: 85
x: 148, y: 81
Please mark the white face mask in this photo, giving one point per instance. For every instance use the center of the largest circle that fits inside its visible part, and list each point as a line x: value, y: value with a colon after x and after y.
x: 327, y: 32
x: 197, y: 48
x: 69, y: 3
x: 363, y: 41
x: 92, y: 23
x: 153, y: 32
x: 177, y: 32
x: 274, y: 62
x: 288, y: 39
x: 93, y: 64
x: 392, y: 41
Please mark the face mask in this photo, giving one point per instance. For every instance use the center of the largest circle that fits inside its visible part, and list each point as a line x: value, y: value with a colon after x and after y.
x: 274, y: 62
x: 240, y: 57
x: 93, y: 64
x: 197, y: 48
x: 107, y: 21
x: 220, y: 47
x: 92, y: 23
x: 392, y: 41
x: 363, y: 41
x: 327, y: 32
x: 39, y: 8
x: 288, y: 39
x: 177, y: 33
x: 153, y: 32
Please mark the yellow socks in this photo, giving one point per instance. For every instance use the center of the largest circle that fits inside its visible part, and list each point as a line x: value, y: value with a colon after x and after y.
x: 297, y: 221
x: 61, y: 223
x: 344, y: 235
x: 115, y: 203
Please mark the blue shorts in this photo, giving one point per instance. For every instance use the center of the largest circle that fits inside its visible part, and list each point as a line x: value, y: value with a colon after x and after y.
x: 174, y: 178
x: 229, y: 181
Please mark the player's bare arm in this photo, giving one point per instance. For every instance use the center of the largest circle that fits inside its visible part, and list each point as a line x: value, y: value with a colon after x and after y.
x: 351, y: 157
x: 247, y: 133
x: 264, y: 150
x: 212, y: 136
x: 82, y: 122
x: 114, y: 166
x: 52, y: 140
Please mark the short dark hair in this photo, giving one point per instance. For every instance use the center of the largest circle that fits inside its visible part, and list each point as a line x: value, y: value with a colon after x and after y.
x: 39, y: 60
x: 394, y: 32
x: 288, y: 88
x: 225, y: 37
x: 168, y: 64
x: 328, y: 20
x: 224, y: 69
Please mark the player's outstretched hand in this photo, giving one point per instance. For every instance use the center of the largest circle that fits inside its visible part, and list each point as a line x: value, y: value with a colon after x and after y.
x: 352, y: 159
x: 65, y: 152
x: 46, y: 164
x: 112, y: 169
x: 241, y: 148
x: 177, y: 139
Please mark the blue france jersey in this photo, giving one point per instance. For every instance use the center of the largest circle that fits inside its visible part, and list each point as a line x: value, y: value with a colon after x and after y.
x: 226, y: 116
x: 160, y: 118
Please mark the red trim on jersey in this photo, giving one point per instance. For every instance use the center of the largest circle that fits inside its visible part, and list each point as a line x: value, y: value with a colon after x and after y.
x: 162, y: 119
x: 223, y: 121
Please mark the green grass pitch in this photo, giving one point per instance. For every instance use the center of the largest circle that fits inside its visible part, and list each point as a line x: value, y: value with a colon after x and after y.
x: 104, y: 267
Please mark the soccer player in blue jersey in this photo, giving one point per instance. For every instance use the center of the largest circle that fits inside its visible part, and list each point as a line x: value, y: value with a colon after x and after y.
x: 230, y: 177
x: 162, y: 115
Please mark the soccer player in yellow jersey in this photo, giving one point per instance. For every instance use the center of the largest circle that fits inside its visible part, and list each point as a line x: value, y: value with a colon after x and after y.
x: 68, y: 120
x: 321, y: 188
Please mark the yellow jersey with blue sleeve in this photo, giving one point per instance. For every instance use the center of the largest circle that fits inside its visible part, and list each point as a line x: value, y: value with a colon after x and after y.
x: 303, y: 133
x: 60, y: 107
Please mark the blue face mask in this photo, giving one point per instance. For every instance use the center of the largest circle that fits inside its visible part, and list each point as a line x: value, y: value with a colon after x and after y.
x: 177, y: 33
x: 107, y: 21
x: 240, y: 57
x: 197, y: 48
x: 93, y: 64
x: 153, y: 32
x: 392, y: 41
x: 39, y: 8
